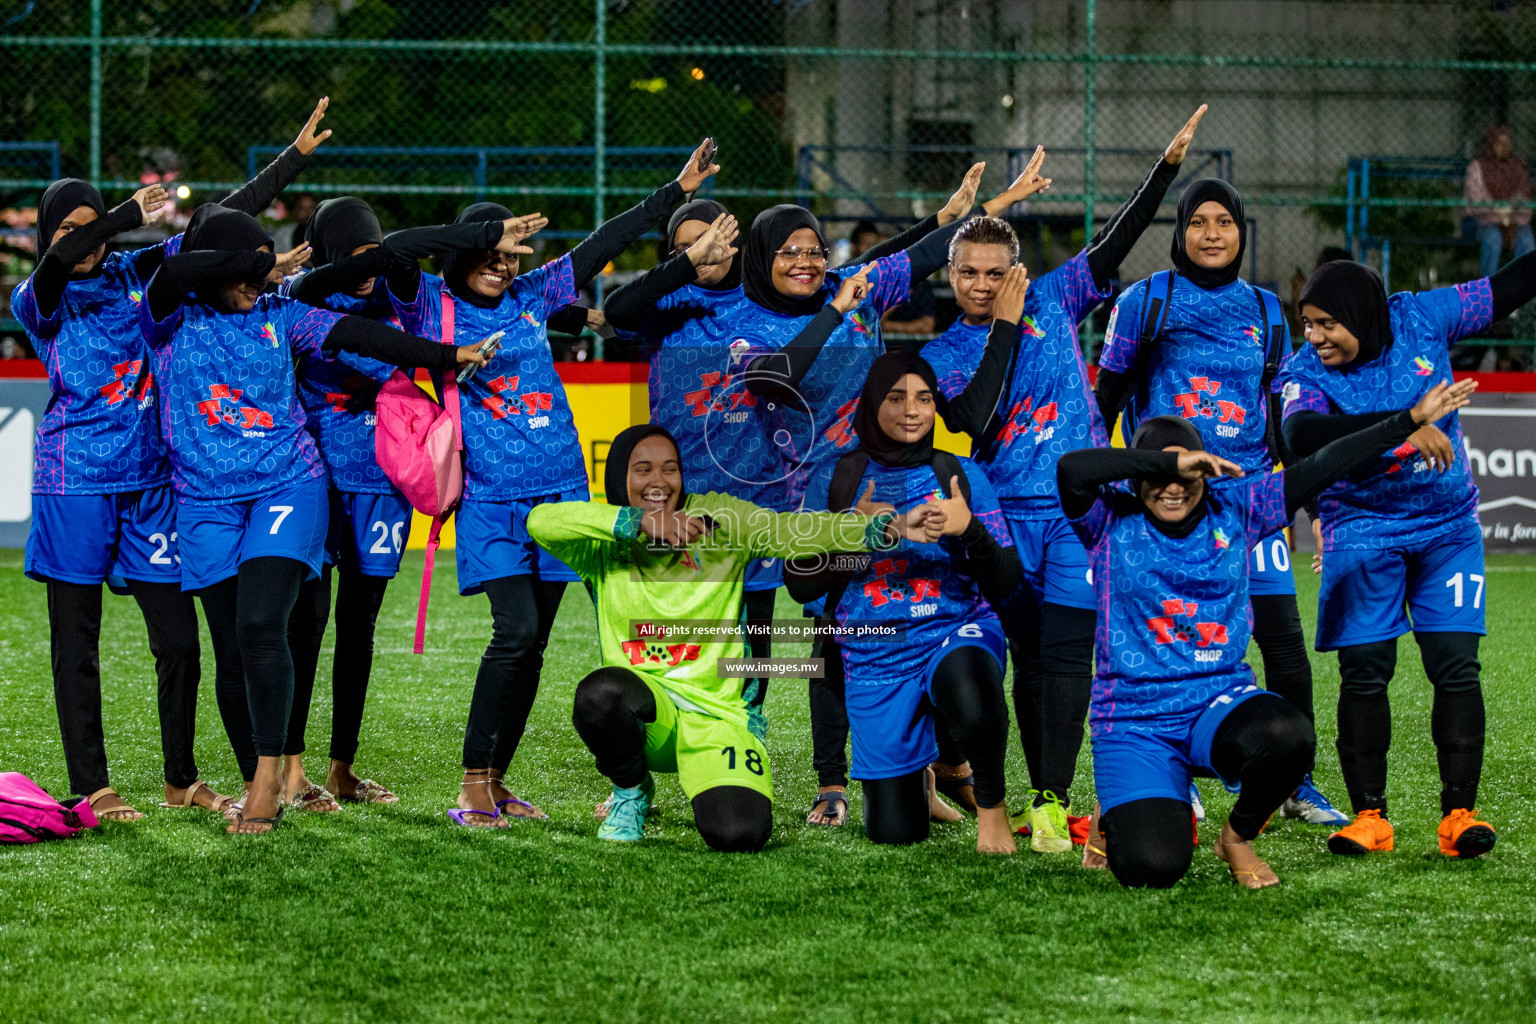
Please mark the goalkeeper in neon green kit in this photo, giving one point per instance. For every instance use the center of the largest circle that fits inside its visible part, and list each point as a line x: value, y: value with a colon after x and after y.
x: 662, y: 561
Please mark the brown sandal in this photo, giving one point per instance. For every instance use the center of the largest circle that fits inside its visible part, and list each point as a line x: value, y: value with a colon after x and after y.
x: 221, y: 803
x: 1260, y: 877
x: 125, y: 812
x: 1095, y: 856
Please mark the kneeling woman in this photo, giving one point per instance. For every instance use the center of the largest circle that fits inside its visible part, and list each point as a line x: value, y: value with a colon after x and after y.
x: 663, y: 556
x: 1172, y: 696
x: 948, y: 665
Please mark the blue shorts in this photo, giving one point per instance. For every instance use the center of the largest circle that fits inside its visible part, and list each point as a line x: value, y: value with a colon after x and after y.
x: 84, y: 538
x: 764, y: 574
x: 491, y: 541
x: 368, y: 532
x: 217, y: 539
x: 891, y: 719
x: 1379, y: 594
x: 1269, y: 567
x: 1131, y: 766
x: 1055, y: 562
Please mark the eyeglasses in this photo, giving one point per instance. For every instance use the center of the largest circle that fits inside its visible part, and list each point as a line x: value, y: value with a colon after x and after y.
x: 795, y: 254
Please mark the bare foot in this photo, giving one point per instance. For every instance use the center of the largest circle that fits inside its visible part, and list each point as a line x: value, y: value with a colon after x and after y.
x: 827, y: 815
x: 938, y: 810
x: 111, y: 807
x: 1247, y: 869
x: 993, y: 833
x: 508, y: 803
x: 476, y: 794
x: 203, y: 795
x: 1095, y: 852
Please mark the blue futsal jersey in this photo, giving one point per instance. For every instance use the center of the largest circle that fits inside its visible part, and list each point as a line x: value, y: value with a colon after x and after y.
x: 1048, y: 407
x: 912, y: 586
x: 232, y: 417
x: 519, y: 436
x: 1208, y: 366
x: 1398, y: 500
x: 814, y: 431
x: 1174, y: 620
x: 340, y: 394
x: 724, y: 432
x: 101, y: 431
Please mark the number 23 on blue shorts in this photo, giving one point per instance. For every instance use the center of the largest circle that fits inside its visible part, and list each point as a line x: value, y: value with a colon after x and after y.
x: 1435, y: 586
x: 287, y: 523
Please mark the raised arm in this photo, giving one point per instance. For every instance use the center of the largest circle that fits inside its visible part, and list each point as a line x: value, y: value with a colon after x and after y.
x: 53, y: 270
x: 1082, y: 474
x: 973, y: 410
x: 258, y: 193
x: 614, y: 236
x: 404, y: 250
x: 627, y: 308
x: 1514, y: 285
x: 778, y: 374
x: 202, y: 271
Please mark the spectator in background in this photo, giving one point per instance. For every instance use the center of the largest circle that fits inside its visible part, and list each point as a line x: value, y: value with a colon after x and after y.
x: 916, y: 315
x: 1498, y: 174
x: 291, y: 233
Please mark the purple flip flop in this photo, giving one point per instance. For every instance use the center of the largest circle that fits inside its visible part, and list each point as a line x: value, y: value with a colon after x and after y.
x: 521, y: 803
x: 457, y: 814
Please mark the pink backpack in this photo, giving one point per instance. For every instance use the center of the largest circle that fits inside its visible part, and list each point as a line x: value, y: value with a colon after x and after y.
x: 29, y: 815
x: 419, y: 444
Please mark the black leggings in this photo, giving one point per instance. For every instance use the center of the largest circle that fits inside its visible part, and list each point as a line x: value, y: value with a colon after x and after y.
x: 612, y: 708
x: 248, y: 617
x: 829, y: 717
x: 358, y: 599
x: 306, y: 635
x: 1457, y: 719
x: 968, y: 701
x: 1052, y: 649
x: 1267, y: 745
x: 1283, y: 646
x: 74, y: 623
x: 508, y: 679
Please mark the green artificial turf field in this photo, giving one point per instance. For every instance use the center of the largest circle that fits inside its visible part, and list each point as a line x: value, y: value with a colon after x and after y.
x: 395, y: 914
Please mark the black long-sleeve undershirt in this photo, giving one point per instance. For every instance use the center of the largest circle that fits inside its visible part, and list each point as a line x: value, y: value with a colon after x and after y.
x: 202, y: 271
x: 614, y: 235
x: 1114, y: 241
x: 376, y: 340
x: 974, y: 409
x: 1308, y: 431
x: 58, y: 263
x: 1112, y: 390
x: 627, y: 307
x: 403, y: 252
x: 1513, y: 285
x: 1081, y: 474
x: 258, y: 193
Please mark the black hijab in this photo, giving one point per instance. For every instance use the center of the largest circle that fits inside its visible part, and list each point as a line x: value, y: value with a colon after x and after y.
x: 1203, y: 191
x: 770, y: 229
x: 616, y: 469
x: 456, y: 263
x: 223, y: 229
x: 1354, y: 295
x: 1158, y: 433
x: 341, y: 225
x: 61, y: 199
x: 883, y: 375
x: 705, y: 211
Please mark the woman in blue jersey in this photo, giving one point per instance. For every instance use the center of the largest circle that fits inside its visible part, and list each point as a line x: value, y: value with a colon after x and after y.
x: 807, y: 356
x: 520, y: 450
x: 1015, y: 382
x: 943, y: 657
x: 1204, y: 344
x: 1401, y: 546
x: 1172, y: 695
x: 250, y: 486
x: 102, y: 502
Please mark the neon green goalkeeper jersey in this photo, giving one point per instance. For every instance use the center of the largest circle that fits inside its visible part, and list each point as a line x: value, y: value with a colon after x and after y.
x: 643, y: 587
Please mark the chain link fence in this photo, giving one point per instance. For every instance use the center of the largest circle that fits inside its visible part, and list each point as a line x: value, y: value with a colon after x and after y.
x: 1344, y: 124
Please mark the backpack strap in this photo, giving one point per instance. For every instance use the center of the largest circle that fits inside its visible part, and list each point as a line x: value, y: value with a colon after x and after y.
x: 449, y: 392
x: 1155, y: 305
x: 1276, y: 336
x: 842, y: 494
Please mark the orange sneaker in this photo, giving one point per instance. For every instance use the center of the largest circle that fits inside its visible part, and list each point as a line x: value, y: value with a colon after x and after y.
x: 1369, y: 831
x: 1462, y: 835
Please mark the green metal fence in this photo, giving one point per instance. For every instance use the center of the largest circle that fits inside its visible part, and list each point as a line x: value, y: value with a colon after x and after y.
x: 1318, y: 104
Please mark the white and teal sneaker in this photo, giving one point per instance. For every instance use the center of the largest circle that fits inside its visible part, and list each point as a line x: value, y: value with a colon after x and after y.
x: 1310, y: 806
x: 625, y: 822
x: 647, y: 786
x: 1194, y: 802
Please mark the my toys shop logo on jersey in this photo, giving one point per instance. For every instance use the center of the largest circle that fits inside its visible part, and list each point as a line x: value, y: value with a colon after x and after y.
x: 1174, y: 626
x: 1026, y: 420
x: 700, y: 402
x: 1200, y: 402
x: 1403, y: 455
x: 500, y: 404
x: 251, y: 420
x: 922, y: 598
x: 643, y: 652
x: 127, y: 384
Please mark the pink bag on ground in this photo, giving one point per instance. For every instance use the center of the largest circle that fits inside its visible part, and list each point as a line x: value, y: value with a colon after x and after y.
x: 419, y: 445
x: 29, y: 815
